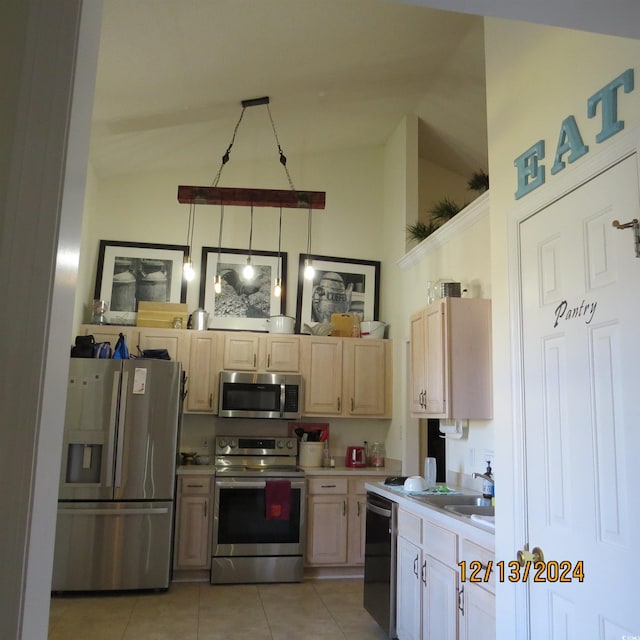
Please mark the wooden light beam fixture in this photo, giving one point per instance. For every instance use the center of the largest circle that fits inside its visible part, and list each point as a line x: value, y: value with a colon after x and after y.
x: 284, y: 198
x: 231, y: 196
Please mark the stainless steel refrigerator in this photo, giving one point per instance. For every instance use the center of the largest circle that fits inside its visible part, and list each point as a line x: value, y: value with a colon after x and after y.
x: 117, y: 479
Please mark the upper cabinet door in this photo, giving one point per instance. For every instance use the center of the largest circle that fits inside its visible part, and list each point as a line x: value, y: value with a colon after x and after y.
x: 202, y: 382
x: 323, y: 376
x: 282, y: 353
x: 366, y: 371
x: 241, y: 352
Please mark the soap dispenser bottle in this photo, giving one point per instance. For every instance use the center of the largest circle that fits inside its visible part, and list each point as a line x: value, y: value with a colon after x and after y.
x: 487, y: 485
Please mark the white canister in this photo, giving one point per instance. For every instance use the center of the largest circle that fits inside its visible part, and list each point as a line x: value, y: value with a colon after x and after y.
x: 311, y: 454
x: 281, y: 324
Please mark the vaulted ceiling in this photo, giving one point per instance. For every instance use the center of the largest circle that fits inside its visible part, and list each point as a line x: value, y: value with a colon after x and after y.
x: 339, y: 73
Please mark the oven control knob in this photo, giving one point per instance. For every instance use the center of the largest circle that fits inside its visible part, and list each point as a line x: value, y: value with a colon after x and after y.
x: 233, y: 444
x: 289, y: 444
x: 280, y: 444
x: 222, y: 443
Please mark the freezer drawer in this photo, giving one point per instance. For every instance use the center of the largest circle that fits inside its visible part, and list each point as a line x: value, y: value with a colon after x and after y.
x: 104, y: 546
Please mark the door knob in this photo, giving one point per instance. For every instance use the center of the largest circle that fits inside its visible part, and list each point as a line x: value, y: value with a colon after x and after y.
x: 535, y: 555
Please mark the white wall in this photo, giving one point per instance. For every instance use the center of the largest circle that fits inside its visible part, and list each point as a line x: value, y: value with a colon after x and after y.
x: 536, y: 77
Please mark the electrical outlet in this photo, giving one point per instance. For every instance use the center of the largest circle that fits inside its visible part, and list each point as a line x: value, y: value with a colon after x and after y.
x: 204, y: 442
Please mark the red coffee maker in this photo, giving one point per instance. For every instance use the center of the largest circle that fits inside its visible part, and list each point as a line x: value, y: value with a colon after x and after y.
x: 355, y: 457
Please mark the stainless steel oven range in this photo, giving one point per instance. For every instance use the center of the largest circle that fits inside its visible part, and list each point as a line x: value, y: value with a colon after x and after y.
x: 259, y: 518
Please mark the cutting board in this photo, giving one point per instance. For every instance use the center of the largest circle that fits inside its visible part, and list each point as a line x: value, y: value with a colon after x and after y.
x: 161, y: 314
x: 344, y: 324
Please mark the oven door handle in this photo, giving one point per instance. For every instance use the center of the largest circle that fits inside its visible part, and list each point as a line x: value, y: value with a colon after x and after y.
x: 253, y: 484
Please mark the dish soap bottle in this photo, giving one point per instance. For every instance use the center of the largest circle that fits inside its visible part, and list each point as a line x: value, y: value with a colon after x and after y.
x: 487, y: 485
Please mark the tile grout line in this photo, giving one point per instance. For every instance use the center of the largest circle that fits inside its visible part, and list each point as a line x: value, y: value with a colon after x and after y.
x: 328, y: 608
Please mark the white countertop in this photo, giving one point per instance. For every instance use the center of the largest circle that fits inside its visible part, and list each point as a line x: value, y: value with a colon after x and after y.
x: 477, y: 529
x: 210, y: 470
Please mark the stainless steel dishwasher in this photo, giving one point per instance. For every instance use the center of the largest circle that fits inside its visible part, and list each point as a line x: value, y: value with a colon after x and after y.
x: 380, y: 561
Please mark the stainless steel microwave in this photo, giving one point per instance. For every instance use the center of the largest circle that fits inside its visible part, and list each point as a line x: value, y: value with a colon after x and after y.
x: 260, y: 395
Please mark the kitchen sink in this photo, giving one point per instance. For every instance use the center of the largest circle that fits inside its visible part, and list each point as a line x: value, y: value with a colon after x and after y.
x: 467, y: 510
x: 454, y: 500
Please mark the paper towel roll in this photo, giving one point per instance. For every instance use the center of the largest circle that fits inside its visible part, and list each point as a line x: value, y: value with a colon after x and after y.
x: 451, y: 429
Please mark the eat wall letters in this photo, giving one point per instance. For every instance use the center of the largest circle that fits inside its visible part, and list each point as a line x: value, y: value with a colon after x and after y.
x: 570, y: 146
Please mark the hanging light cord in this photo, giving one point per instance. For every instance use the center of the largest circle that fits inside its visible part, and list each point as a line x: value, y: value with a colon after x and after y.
x: 220, y: 237
x: 192, y: 220
x: 283, y: 158
x: 279, y: 244
x: 227, y: 153
x: 251, y: 232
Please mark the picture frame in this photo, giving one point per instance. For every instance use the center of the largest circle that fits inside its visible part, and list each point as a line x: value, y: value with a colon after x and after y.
x: 242, y: 306
x: 355, y: 285
x: 130, y: 272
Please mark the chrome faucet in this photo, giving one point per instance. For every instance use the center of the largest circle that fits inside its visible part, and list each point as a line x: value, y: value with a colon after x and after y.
x: 484, y: 476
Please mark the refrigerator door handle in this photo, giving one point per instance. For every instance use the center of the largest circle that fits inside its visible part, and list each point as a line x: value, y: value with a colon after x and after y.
x: 121, y: 417
x: 114, y: 512
x: 113, y: 417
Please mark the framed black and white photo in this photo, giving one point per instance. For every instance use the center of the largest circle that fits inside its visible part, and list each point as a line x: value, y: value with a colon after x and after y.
x: 339, y: 285
x: 131, y: 272
x: 242, y: 304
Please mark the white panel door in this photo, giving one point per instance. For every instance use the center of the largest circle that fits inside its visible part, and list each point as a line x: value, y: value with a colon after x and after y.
x: 580, y: 283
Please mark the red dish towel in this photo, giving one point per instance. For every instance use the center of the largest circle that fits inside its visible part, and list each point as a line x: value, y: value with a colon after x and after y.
x: 278, y: 499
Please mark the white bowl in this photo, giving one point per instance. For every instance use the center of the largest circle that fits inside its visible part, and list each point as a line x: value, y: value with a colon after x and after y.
x: 415, y: 483
x: 372, y: 329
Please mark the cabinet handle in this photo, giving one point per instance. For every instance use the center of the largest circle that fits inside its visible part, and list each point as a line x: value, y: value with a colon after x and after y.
x: 205, y: 510
x: 255, y: 357
x: 344, y: 508
x: 338, y: 403
x: 268, y: 360
x: 328, y: 486
x: 461, y: 600
x: 195, y: 486
x: 358, y: 510
x: 211, y: 400
x: 423, y: 573
x: 351, y: 405
x: 415, y: 566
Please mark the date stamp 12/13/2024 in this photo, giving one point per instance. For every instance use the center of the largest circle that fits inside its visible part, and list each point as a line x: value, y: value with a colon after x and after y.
x: 514, y: 571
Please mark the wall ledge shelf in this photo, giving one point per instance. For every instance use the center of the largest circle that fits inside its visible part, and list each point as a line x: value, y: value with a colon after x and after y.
x: 473, y: 212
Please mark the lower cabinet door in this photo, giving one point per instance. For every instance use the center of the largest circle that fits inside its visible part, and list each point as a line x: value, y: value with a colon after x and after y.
x: 409, y: 592
x: 327, y: 529
x: 440, y: 605
x: 193, y: 533
x: 478, y: 619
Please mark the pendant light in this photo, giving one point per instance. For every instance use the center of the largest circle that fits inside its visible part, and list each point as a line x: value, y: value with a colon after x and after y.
x: 215, y: 195
x: 248, y: 272
x: 277, y: 288
x: 309, y: 271
x: 187, y: 267
x: 217, y: 284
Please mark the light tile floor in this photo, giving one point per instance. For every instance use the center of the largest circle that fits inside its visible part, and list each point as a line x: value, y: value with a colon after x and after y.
x: 322, y: 609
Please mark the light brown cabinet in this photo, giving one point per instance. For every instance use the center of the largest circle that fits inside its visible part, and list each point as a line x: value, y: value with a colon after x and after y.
x: 434, y: 602
x: 451, y: 360
x: 193, y: 522
x: 336, y: 520
x: 202, y: 380
x: 347, y: 377
x: 260, y: 352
